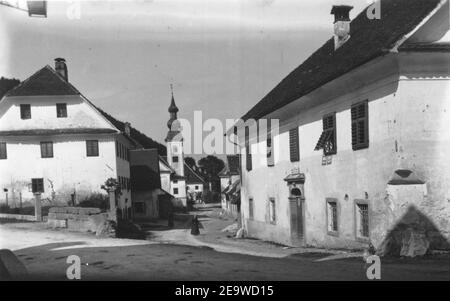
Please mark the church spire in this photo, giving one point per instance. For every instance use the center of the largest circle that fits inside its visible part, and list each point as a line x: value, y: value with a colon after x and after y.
x: 173, y: 110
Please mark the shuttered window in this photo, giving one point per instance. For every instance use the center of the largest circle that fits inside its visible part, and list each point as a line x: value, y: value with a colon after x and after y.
x: 3, y: 152
x: 269, y: 145
x: 47, y: 149
x: 294, y: 145
x: 248, y: 153
x: 92, y: 148
x: 327, y: 140
x: 360, y: 125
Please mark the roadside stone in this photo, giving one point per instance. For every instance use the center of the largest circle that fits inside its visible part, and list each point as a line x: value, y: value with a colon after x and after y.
x: 233, y: 228
x: 240, y: 233
x: 414, y: 244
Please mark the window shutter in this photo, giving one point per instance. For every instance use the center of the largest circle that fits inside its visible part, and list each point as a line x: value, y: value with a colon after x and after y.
x: 360, y: 126
x: 294, y: 145
x: 248, y: 153
x: 3, y: 151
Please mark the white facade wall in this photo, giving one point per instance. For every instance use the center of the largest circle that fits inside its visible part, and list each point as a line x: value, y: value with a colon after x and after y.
x: 409, y: 118
x: 69, y: 171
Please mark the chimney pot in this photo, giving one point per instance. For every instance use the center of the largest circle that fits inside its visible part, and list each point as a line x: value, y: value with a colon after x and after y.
x: 61, y: 68
x: 127, y: 129
x: 341, y: 24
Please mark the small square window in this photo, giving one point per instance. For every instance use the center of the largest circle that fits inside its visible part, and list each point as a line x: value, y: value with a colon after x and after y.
x: 25, y: 111
x: 47, y: 149
x: 175, y: 159
x: 61, y: 110
x: 196, y: 187
x: 175, y: 191
x: 3, y: 152
x: 92, y: 148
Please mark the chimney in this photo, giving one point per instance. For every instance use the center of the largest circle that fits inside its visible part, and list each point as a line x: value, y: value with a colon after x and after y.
x: 127, y: 129
x: 341, y: 24
x: 61, y: 68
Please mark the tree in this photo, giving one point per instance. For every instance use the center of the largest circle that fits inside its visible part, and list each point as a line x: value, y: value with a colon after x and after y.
x: 212, y: 166
x: 190, y: 162
x: 7, y: 84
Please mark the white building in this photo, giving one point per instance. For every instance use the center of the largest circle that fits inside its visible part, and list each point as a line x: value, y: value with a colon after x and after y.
x: 54, y: 140
x: 361, y: 153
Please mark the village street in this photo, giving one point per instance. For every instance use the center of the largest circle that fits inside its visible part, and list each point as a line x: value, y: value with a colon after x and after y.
x: 176, y: 255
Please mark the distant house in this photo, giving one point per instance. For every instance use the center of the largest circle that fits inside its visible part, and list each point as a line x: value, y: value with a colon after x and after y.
x: 148, y: 198
x: 230, y: 183
x: 195, y: 183
x: 56, y: 142
x: 361, y: 151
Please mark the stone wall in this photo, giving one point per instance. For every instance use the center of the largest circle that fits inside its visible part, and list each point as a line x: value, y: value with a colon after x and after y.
x: 80, y: 220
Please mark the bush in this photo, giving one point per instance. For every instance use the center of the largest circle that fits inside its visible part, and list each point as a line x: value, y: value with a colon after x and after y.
x: 95, y: 200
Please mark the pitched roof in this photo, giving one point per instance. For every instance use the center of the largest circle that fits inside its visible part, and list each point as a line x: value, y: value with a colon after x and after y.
x: 141, y: 138
x: 369, y: 39
x: 191, y: 176
x: 143, y: 178
x: 45, y: 81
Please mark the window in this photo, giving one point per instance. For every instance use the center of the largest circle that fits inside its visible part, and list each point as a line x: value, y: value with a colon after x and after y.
x: 92, y: 148
x: 175, y: 159
x: 3, y: 153
x: 139, y: 208
x: 362, y: 220
x: 272, y: 212
x: 47, y: 149
x: 25, y: 111
x: 269, y: 145
x: 248, y: 153
x: 196, y: 187
x: 294, y: 145
x: 327, y: 140
x: 332, y: 216
x: 360, y: 125
x: 37, y: 185
x: 250, y: 208
x: 175, y: 191
x: 61, y: 110
x: 175, y: 181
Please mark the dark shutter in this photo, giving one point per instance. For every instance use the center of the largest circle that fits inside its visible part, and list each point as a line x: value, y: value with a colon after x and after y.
x: 248, y: 153
x: 360, y: 125
x: 3, y: 152
x: 294, y: 145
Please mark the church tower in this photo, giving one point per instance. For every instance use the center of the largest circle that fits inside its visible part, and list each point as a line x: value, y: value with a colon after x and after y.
x: 174, y: 140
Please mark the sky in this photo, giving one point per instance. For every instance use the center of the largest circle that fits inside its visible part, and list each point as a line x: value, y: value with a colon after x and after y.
x: 222, y: 56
